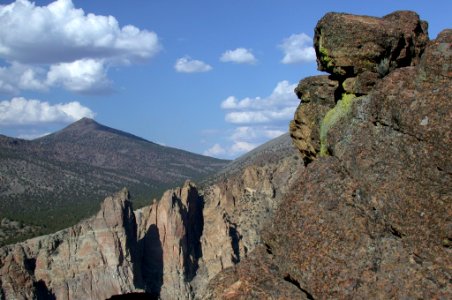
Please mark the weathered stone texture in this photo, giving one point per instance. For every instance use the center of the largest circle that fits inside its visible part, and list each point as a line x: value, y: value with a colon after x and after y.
x: 91, y: 260
x: 370, y: 218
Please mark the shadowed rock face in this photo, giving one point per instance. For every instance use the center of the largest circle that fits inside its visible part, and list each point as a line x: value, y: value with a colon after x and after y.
x: 317, y: 95
x: 169, y: 232
x: 369, y: 218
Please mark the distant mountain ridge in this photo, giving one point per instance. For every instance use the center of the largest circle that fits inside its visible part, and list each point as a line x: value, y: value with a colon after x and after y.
x: 57, y: 179
x: 270, y: 152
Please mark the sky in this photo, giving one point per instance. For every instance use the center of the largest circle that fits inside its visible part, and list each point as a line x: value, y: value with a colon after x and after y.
x: 211, y: 77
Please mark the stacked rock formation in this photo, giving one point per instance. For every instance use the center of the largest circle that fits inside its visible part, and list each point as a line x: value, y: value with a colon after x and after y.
x: 369, y: 218
x: 357, y: 51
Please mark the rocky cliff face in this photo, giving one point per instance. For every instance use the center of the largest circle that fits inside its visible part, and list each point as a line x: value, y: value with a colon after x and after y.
x: 369, y: 218
x: 92, y: 260
x: 189, y: 236
x: 235, y: 212
x: 169, y: 249
x: 169, y: 233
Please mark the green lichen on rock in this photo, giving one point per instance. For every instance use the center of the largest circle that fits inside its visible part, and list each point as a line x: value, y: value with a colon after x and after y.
x: 342, y: 108
x: 325, y: 59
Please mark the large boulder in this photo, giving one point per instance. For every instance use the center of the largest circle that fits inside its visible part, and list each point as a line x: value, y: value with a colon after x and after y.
x: 347, y: 45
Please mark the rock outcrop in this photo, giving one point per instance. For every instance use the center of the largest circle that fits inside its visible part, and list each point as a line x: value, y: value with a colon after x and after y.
x: 92, y: 260
x: 369, y: 218
x: 317, y: 95
x: 169, y: 234
x: 236, y: 209
x: 349, y: 45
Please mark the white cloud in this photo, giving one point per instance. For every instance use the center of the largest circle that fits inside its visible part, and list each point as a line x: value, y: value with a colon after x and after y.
x: 297, y: 48
x: 263, y: 116
x: 230, y: 102
x: 60, y: 45
x: 243, y: 139
x: 81, y: 76
x: 86, y: 75
x: 59, y: 32
x: 280, y: 105
x: 20, y: 111
x: 239, y: 56
x: 255, y: 133
x: 189, y: 65
x: 246, y: 117
x: 274, y: 133
x: 242, y: 147
x: 243, y: 133
x: 215, y: 150
x: 257, y: 119
x: 18, y: 76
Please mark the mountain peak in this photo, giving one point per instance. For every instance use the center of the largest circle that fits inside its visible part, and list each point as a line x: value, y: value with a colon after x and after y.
x: 85, y: 121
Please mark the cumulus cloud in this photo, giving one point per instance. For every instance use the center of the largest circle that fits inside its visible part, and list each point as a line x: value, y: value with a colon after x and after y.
x: 256, y: 120
x: 188, y: 65
x: 21, y: 111
x: 242, y: 147
x: 239, y: 56
x: 243, y: 139
x: 253, y: 134
x: 59, y: 32
x: 264, y: 116
x: 297, y: 48
x: 17, y: 76
x: 273, y: 133
x: 60, y: 45
x: 86, y: 75
x: 280, y: 105
x: 81, y: 76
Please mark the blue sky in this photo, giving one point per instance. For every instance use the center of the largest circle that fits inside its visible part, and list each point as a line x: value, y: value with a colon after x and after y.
x: 211, y: 77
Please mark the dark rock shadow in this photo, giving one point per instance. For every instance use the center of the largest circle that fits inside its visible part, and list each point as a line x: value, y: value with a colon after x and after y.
x: 42, y: 291
x: 132, y: 244
x: 235, y: 242
x: 194, y: 226
x: 152, y: 261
